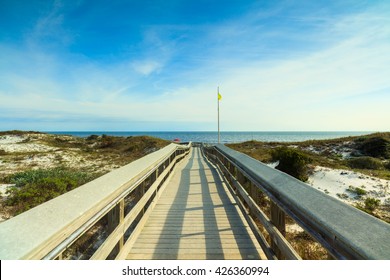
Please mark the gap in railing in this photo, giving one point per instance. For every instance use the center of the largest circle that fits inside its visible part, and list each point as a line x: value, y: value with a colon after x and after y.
x: 264, y: 204
x: 84, y: 247
x: 130, y: 201
x: 306, y: 246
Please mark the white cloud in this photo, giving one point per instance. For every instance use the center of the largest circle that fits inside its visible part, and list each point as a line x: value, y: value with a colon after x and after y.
x: 147, y: 67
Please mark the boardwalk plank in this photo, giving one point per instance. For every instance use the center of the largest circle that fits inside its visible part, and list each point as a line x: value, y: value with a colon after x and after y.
x: 196, y: 218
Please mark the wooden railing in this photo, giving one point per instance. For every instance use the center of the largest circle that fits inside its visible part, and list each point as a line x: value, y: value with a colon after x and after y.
x: 344, y: 231
x: 116, y: 204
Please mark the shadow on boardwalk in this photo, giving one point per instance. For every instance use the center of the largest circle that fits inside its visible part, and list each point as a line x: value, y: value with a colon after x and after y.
x: 196, y: 218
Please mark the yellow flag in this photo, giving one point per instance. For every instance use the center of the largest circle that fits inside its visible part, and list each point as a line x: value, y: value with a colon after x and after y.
x: 219, y: 96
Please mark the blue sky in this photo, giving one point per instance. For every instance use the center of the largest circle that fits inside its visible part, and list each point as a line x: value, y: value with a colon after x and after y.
x: 155, y: 65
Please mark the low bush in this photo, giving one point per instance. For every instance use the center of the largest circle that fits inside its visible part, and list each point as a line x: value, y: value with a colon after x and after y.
x: 292, y: 162
x: 365, y: 163
x: 92, y: 137
x: 107, y: 142
x: 34, y: 187
x: 358, y: 191
x: 371, y: 203
x: 378, y: 147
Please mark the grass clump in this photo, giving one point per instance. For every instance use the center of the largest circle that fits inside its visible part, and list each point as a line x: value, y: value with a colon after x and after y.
x: 371, y: 203
x: 357, y: 190
x: 34, y: 187
x: 377, y: 146
x: 292, y: 162
x: 365, y: 163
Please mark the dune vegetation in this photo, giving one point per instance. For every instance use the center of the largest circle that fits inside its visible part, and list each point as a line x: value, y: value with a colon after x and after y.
x: 36, y: 167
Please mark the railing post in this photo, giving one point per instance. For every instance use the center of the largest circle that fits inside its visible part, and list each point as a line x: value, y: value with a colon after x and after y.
x: 121, y: 219
x: 140, y: 193
x: 278, y: 219
x: 253, y: 192
x: 156, y: 175
x: 115, y: 217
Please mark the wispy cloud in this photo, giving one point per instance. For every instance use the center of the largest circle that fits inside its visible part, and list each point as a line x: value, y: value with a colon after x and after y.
x: 48, y: 29
x: 146, y: 67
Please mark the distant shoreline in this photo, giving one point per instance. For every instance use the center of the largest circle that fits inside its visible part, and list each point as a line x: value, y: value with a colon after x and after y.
x: 226, y: 136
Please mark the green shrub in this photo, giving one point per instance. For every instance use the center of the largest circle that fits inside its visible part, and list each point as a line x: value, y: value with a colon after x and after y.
x: 371, y: 203
x: 34, y: 187
x: 92, y: 137
x: 374, y: 147
x: 365, y: 163
x: 292, y: 162
x: 358, y: 191
x: 107, y: 142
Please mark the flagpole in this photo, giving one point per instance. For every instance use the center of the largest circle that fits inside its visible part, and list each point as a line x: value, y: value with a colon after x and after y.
x: 219, y: 137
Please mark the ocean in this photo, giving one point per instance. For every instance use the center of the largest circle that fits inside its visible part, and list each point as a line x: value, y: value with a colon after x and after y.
x: 226, y: 136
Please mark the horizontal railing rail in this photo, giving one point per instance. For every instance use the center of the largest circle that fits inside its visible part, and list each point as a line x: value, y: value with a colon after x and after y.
x: 344, y: 231
x: 49, y: 229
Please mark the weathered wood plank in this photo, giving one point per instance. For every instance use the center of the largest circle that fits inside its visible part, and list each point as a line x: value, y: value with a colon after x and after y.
x: 193, y: 256
x: 225, y: 251
x: 197, y: 246
x: 195, y: 236
x: 196, y: 218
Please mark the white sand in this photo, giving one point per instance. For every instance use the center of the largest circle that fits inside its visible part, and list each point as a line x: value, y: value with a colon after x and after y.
x: 35, y: 153
x: 335, y: 183
x: 25, y: 147
x: 11, y: 139
x: 14, y: 144
x: 4, y: 188
x: 344, y: 149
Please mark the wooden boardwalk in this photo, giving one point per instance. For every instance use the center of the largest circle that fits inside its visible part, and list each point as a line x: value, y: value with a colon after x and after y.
x: 196, y: 218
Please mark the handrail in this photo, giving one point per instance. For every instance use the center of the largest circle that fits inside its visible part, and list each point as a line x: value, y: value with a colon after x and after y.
x: 346, y: 232
x: 45, y: 231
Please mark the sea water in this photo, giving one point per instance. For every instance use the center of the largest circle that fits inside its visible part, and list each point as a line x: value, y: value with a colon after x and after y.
x: 226, y: 136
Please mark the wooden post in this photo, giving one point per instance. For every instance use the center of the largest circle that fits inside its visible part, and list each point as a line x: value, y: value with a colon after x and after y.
x: 278, y: 218
x: 156, y: 176
x: 141, y: 192
x: 115, y: 217
x: 121, y: 219
x: 253, y: 194
x: 231, y: 168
